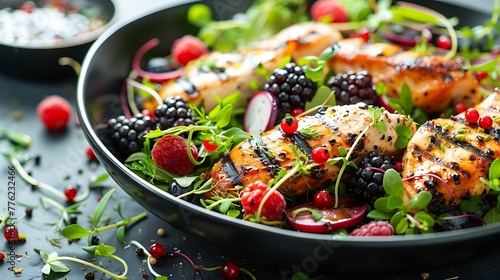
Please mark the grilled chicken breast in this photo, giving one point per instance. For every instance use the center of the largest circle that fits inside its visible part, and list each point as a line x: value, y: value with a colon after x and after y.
x: 447, y: 157
x: 222, y: 74
x: 435, y: 83
x: 262, y: 157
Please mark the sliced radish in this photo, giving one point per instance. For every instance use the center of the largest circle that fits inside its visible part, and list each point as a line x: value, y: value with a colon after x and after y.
x: 260, y: 113
x: 348, y: 213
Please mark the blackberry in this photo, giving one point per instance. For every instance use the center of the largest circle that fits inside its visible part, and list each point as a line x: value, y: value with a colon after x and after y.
x: 367, y: 182
x: 173, y: 112
x: 127, y: 135
x: 351, y: 88
x: 291, y: 87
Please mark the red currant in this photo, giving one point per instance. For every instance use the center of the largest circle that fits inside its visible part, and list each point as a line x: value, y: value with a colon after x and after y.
x: 323, y: 198
x: 297, y: 111
x: 209, y: 146
x: 90, y: 154
x: 365, y: 33
x: 10, y: 233
x: 289, y: 124
x: 481, y: 76
x: 398, y: 166
x: 252, y: 196
x: 70, y: 193
x: 230, y: 271
x: 460, y: 107
x: 2, y: 256
x: 443, y: 42
x: 320, y: 155
x: 485, y: 122
x: 472, y: 115
x: 157, y: 250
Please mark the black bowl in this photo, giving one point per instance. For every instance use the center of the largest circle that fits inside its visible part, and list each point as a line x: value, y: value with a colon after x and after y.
x: 104, y: 70
x: 41, y: 62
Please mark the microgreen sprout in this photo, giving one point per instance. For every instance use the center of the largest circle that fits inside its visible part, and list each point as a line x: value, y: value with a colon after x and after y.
x: 148, y: 260
x: 12, y: 157
x: 54, y: 262
x: 16, y: 138
x: 66, y: 212
x: 76, y: 231
x: 406, y: 219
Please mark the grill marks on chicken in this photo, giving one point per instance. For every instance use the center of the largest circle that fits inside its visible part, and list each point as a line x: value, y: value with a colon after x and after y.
x: 454, y: 151
x: 262, y: 157
x: 435, y: 82
x: 223, y: 73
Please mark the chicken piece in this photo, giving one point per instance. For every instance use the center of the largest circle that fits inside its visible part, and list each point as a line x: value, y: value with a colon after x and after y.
x: 222, y: 74
x: 447, y: 157
x: 435, y: 83
x: 262, y: 157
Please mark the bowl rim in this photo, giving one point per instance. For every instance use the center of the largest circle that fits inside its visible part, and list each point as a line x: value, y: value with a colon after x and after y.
x: 446, y: 237
x: 85, y: 38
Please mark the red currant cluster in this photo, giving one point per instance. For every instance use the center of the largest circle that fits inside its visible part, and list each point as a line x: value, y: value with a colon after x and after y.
x: 472, y: 116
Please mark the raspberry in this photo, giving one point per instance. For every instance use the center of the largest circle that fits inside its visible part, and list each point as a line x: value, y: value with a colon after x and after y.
x: 54, y: 111
x: 188, y: 48
x: 173, y: 112
x: 128, y: 134
x: 252, y: 197
x: 367, y: 182
x: 170, y: 153
x: 351, y: 88
x: 292, y: 89
x: 374, y: 228
x: 329, y: 11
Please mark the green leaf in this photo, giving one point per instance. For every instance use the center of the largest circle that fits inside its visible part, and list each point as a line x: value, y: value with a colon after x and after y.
x: 120, y: 234
x: 414, y: 15
x: 393, y: 184
x: 300, y: 276
x: 381, y: 126
x: 401, y: 143
x: 199, y: 15
x: 421, y: 200
x: 402, y: 226
x: 378, y: 215
x: 233, y: 213
x: 406, y: 99
x: 75, y: 231
x: 426, y: 219
x: 330, y: 52
x: 394, y: 202
x: 342, y: 151
x: 161, y: 278
x: 46, y: 269
x: 223, y: 117
x: 322, y: 93
x: 492, y: 216
x: 185, y: 181
x: 381, y: 204
x: 58, y: 266
x: 99, y: 209
x: 44, y: 256
x: 403, y: 131
x: 100, y: 179
x: 396, y: 218
x: 472, y: 205
x: 19, y: 138
x: 224, y: 206
x: 100, y: 250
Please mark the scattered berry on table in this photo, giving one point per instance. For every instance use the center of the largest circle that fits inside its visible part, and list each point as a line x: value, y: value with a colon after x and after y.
x: 10, y: 233
x: 95, y: 240
x: 128, y: 134
x: 89, y: 275
x: 366, y: 184
x: 351, y: 88
x: 320, y: 155
x: 374, y: 228
x: 171, y: 154
x: 90, y: 154
x: 173, y: 112
x: 289, y: 124
x: 323, y: 198
x: 188, y: 48
x: 157, y: 250
x: 2, y: 256
x: 21, y: 237
x: 252, y: 196
x: 291, y: 87
x: 70, y: 193
x: 329, y: 11
x: 54, y: 112
x: 230, y: 271
x: 472, y: 115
